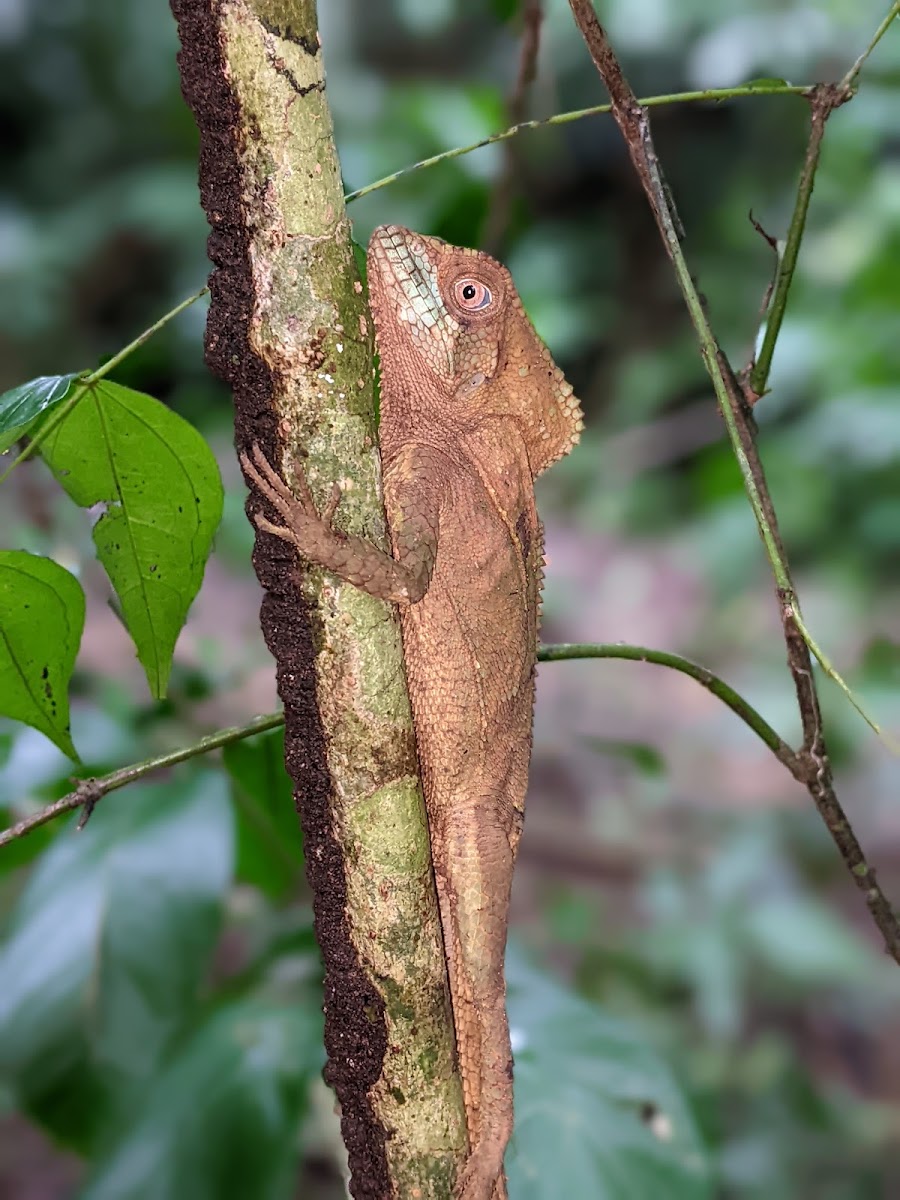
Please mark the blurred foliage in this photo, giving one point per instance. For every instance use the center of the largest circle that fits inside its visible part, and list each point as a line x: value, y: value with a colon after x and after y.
x: 159, y: 1013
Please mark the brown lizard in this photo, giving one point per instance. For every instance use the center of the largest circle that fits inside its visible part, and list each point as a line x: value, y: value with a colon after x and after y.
x: 473, y: 409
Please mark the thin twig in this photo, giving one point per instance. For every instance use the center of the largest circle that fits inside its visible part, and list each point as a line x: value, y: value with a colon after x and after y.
x: 633, y: 121
x: 709, y: 94
x: 89, y: 791
x: 719, y: 688
x: 112, y: 363
x: 824, y: 99
x: 850, y: 78
x: 826, y: 665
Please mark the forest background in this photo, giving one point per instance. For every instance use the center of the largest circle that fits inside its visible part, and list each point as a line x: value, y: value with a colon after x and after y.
x: 673, y: 876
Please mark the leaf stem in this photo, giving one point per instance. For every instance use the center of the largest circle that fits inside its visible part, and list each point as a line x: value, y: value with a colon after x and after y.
x: 112, y: 363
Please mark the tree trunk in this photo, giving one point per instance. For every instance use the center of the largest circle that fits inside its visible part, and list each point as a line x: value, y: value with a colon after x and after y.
x: 288, y: 329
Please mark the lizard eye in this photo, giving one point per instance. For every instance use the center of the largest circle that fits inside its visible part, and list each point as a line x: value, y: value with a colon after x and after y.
x: 471, y: 294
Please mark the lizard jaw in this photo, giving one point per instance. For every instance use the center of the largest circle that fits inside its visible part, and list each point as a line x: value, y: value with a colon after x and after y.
x: 407, y: 278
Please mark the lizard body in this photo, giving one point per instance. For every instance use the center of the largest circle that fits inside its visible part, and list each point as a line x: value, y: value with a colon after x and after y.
x: 472, y: 410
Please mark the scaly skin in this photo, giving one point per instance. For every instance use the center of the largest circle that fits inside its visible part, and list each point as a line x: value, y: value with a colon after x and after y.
x: 472, y: 410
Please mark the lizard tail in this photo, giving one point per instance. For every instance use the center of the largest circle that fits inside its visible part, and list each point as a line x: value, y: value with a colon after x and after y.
x: 474, y: 928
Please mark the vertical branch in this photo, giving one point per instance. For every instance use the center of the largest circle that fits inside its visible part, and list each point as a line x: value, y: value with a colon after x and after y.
x: 812, y: 762
x: 289, y: 331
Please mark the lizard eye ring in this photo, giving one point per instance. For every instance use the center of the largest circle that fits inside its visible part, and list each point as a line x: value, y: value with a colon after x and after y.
x: 471, y: 294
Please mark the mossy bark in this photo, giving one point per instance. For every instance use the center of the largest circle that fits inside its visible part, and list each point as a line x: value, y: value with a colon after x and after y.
x: 289, y: 331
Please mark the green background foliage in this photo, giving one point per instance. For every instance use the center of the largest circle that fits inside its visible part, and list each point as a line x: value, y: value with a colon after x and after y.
x: 720, y: 1020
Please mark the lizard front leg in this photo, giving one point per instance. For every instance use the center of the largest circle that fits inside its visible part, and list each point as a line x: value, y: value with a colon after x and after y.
x: 403, y: 579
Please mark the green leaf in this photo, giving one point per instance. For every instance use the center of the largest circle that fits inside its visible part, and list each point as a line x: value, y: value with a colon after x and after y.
x: 21, y: 406
x: 41, y: 622
x: 597, y: 1112
x: 160, y: 489
x: 270, y: 846
x: 107, y: 948
x: 219, y: 1122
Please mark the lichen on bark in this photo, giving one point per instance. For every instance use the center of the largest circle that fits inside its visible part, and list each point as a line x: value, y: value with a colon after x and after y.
x: 289, y: 331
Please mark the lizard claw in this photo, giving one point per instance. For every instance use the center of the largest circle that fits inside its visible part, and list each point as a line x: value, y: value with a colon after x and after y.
x: 273, y: 487
x: 302, y: 523
x: 333, y: 501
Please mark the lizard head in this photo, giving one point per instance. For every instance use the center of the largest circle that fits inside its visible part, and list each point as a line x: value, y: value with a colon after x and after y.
x: 453, y: 336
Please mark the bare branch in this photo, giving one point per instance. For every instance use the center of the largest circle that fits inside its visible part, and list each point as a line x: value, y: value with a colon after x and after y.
x: 633, y: 121
x: 89, y: 791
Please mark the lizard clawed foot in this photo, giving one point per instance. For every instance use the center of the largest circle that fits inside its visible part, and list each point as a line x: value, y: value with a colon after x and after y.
x: 303, y: 526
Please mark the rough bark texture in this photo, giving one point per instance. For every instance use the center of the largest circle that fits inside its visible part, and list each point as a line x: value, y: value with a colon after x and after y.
x: 289, y: 331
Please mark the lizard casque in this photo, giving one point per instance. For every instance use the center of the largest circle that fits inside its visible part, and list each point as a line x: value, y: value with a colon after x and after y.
x: 473, y: 409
